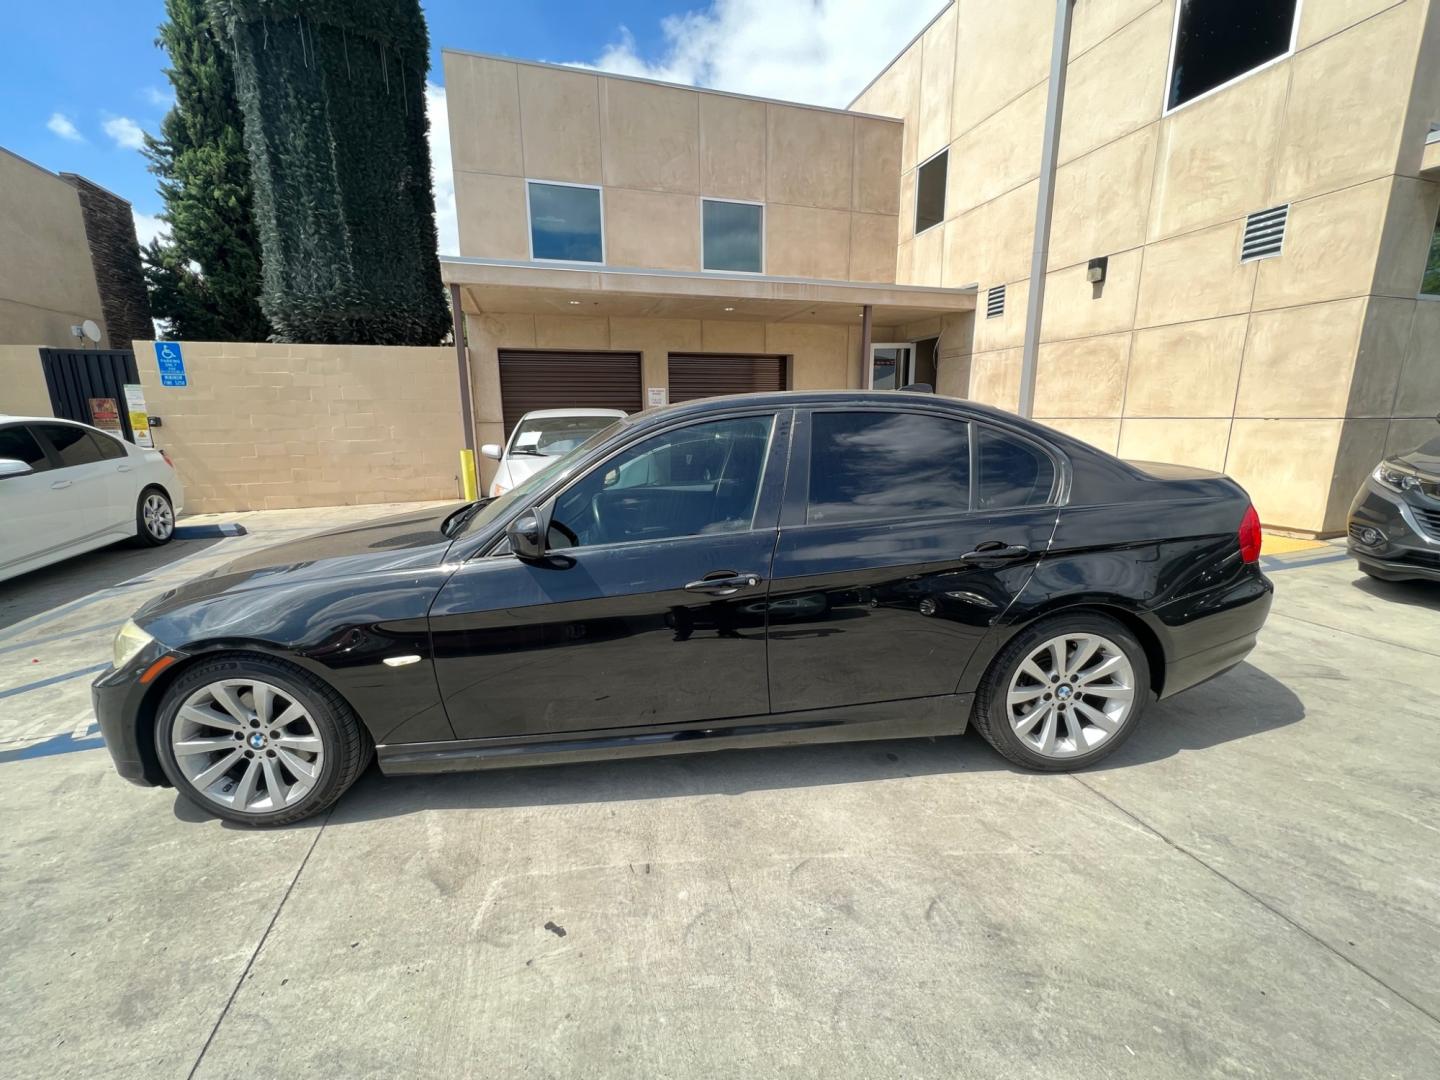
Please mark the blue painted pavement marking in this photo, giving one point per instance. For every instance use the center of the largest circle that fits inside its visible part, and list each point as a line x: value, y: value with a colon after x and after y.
x: 14, y: 690
x: 204, y: 532
x: 56, y: 744
x: 1271, y: 567
x: 81, y: 632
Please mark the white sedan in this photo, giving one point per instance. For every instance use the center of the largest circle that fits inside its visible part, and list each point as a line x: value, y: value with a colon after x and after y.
x: 542, y: 436
x: 66, y: 488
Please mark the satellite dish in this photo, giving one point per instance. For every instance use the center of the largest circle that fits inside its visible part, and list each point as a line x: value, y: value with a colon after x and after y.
x: 91, y: 330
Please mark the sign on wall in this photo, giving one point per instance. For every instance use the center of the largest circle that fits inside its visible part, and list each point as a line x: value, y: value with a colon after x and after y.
x: 655, y: 395
x: 171, y: 362
x: 105, y: 415
x: 139, y: 417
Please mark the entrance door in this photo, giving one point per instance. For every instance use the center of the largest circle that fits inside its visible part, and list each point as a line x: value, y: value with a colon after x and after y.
x: 891, y: 365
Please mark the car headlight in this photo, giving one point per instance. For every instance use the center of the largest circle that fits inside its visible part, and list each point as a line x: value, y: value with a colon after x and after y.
x: 128, y: 643
x: 1396, y: 477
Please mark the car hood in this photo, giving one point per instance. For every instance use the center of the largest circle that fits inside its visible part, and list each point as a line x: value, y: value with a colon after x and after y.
x: 1425, y: 459
x: 524, y: 466
x: 410, y: 541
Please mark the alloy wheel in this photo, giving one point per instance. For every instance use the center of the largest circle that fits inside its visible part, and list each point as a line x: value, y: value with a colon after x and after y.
x: 159, y: 518
x: 1071, y: 695
x: 248, y: 745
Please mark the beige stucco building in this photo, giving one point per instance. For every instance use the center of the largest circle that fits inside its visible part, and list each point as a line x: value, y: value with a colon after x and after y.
x: 684, y: 241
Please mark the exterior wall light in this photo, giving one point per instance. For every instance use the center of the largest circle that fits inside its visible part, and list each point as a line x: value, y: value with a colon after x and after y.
x: 1095, y: 272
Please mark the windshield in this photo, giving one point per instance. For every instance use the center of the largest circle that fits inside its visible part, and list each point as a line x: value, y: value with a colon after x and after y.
x: 490, y: 509
x: 555, y: 436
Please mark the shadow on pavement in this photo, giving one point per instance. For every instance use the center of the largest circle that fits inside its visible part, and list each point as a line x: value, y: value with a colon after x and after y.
x: 50, y: 587
x: 1242, y: 703
x: 1424, y: 594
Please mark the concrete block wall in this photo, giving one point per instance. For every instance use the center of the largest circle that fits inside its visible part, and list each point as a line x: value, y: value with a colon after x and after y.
x: 268, y: 426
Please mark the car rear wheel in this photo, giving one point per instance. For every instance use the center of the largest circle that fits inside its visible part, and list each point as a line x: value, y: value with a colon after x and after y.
x: 258, y: 741
x: 1064, y: 693
x: 154, y: 518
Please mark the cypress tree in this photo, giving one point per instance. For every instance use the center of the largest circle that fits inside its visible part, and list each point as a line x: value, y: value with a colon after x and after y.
x: 204, y: 175
x: 333, y: 93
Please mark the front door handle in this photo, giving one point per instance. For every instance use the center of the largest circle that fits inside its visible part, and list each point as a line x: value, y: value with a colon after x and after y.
x: 995, y: 550
x: 60, y: 485
x: 724, y: 582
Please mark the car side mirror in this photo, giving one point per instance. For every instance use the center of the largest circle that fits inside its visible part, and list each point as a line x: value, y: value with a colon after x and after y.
x: 491, y: 450
x: 527, y: 535
x: 13, y: 467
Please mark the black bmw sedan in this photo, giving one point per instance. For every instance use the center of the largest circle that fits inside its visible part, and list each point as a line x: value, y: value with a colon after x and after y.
x: 763, y: 570
x: 1395, y: 518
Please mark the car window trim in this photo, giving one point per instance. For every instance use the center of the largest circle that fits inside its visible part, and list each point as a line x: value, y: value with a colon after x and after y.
x: 498, y: 546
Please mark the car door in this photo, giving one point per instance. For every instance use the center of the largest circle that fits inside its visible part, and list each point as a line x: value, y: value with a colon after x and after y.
x: 891, y: 563
x: 119, y: 489
x: 649, y: 607
x: 33, y: 518
x: 79, y: 478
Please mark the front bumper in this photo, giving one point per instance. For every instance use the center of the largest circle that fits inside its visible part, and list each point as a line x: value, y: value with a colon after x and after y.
x: 1407, y: 548
x: 124, y: 708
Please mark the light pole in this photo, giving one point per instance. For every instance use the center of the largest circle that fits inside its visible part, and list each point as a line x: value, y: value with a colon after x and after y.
x: 1044, y: 204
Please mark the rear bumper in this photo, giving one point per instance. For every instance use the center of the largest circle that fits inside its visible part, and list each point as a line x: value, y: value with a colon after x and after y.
x: 1405, y: 550
x: 1208, y: 634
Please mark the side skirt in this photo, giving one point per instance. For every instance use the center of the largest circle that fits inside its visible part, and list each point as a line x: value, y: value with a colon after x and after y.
x: 946, y: 714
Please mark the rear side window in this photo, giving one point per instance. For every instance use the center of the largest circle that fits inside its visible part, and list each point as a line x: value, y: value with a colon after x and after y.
x: 110, y: 448
x: 73, y: 444
x: 18, y: 444
x: 1013, y: 471
x: 870, y: 466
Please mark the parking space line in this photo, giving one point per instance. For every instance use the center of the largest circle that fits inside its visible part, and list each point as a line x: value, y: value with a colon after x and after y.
x: 25, y: 689
x: 1271, y: 567
x: 34, y: 642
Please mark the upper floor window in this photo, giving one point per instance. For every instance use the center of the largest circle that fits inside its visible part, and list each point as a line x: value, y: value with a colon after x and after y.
x: 1218, y: 41
x: 1430, y: 286
x: 930, y: 191
x: 566, y: 223
x: 731, y: 235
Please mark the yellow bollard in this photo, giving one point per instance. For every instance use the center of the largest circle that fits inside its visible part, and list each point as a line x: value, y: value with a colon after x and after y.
x: 467, y: 475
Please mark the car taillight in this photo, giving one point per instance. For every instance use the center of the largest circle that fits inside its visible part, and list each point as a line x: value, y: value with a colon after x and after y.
x: 166, y: 455
x: 1250, y: 536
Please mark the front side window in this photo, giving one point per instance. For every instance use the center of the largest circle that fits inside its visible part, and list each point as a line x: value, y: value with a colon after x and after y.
x: 74, y: 444
x: 1430, y: 286
x: 1013, y: 472
x: 565, y: 223
x: 692, y: 481
x: 930, y: 191
x: 870, y: 466
x: 17, y: 444
x: 1217, y: 41
x: 731, y: 236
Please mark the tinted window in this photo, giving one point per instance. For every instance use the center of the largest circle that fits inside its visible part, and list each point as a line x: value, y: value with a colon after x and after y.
x: 871, y: 465
x: 565, y: 223
x: 1220, y: 40
x: 1013, y: 472
x: 930, y: 192
x: 731, y: 233
x: 700, y: 479
x: 18, y: 444
x: 73, y: 444
x: 1431, y: 284
x: 110, y: 448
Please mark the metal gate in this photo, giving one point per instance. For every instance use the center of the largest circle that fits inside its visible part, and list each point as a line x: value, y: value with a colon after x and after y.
x: 553, y: 379
x: 74, y: 376
x: 698, y: 375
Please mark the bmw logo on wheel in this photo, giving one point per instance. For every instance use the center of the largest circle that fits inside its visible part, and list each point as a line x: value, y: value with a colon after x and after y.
x: 257, y: 741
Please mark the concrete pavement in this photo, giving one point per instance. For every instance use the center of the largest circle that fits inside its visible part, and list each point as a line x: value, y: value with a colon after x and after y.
x: 1251, y: 887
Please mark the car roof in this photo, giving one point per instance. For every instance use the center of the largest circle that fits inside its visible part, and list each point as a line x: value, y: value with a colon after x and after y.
x: 6, y: 418
x: 545, y: 414
x: 795, y: 399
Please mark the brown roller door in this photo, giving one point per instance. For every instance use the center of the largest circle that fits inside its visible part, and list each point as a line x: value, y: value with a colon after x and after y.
x: 698, y: 375
x: 532, y: 379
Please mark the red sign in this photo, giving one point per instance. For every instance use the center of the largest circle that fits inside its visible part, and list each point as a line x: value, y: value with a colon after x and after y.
x: 105, y: 415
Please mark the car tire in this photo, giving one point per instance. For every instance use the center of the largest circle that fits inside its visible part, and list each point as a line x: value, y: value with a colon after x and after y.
x: 1115, y: 696
x: 334, y: 741
x: 154, y: 518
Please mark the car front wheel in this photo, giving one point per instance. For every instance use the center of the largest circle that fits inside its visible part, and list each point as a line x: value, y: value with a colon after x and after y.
x: 1064, y: 693
x: 258, y: 741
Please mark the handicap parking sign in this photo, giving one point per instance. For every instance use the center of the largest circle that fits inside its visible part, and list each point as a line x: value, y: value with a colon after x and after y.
x: 171, y: 363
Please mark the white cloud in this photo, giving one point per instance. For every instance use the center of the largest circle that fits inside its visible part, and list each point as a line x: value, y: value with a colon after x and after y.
x: 63, y: 126
x: 125, y: 132
x: 820, y: 53
x: 161, y: 99
x: 148, y: 227
x: 441, y: 176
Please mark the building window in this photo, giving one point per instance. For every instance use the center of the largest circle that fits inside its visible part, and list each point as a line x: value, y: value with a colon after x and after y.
x: 1430, y: 286
x: 930, y: 192
x: 732, y: 236
x: 566, y: 223
x: 1219, y: 41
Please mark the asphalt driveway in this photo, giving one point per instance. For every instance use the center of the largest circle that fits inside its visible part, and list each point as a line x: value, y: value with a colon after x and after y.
x: 1251, y: 887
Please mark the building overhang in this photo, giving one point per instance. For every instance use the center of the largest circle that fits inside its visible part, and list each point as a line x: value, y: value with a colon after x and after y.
x: 497, y: 285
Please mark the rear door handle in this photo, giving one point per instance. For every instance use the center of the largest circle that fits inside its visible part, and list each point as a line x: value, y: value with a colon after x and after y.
x: 724, y: 582
x: 994, y: 550
x: 60, y: 485
x: 122, y: 468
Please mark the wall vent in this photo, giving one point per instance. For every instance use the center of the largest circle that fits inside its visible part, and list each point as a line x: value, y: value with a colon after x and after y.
x: 995, y: 301
x: 1264, y: 233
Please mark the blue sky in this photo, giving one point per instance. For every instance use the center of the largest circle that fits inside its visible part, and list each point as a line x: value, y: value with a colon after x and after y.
x: 81, y: 78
